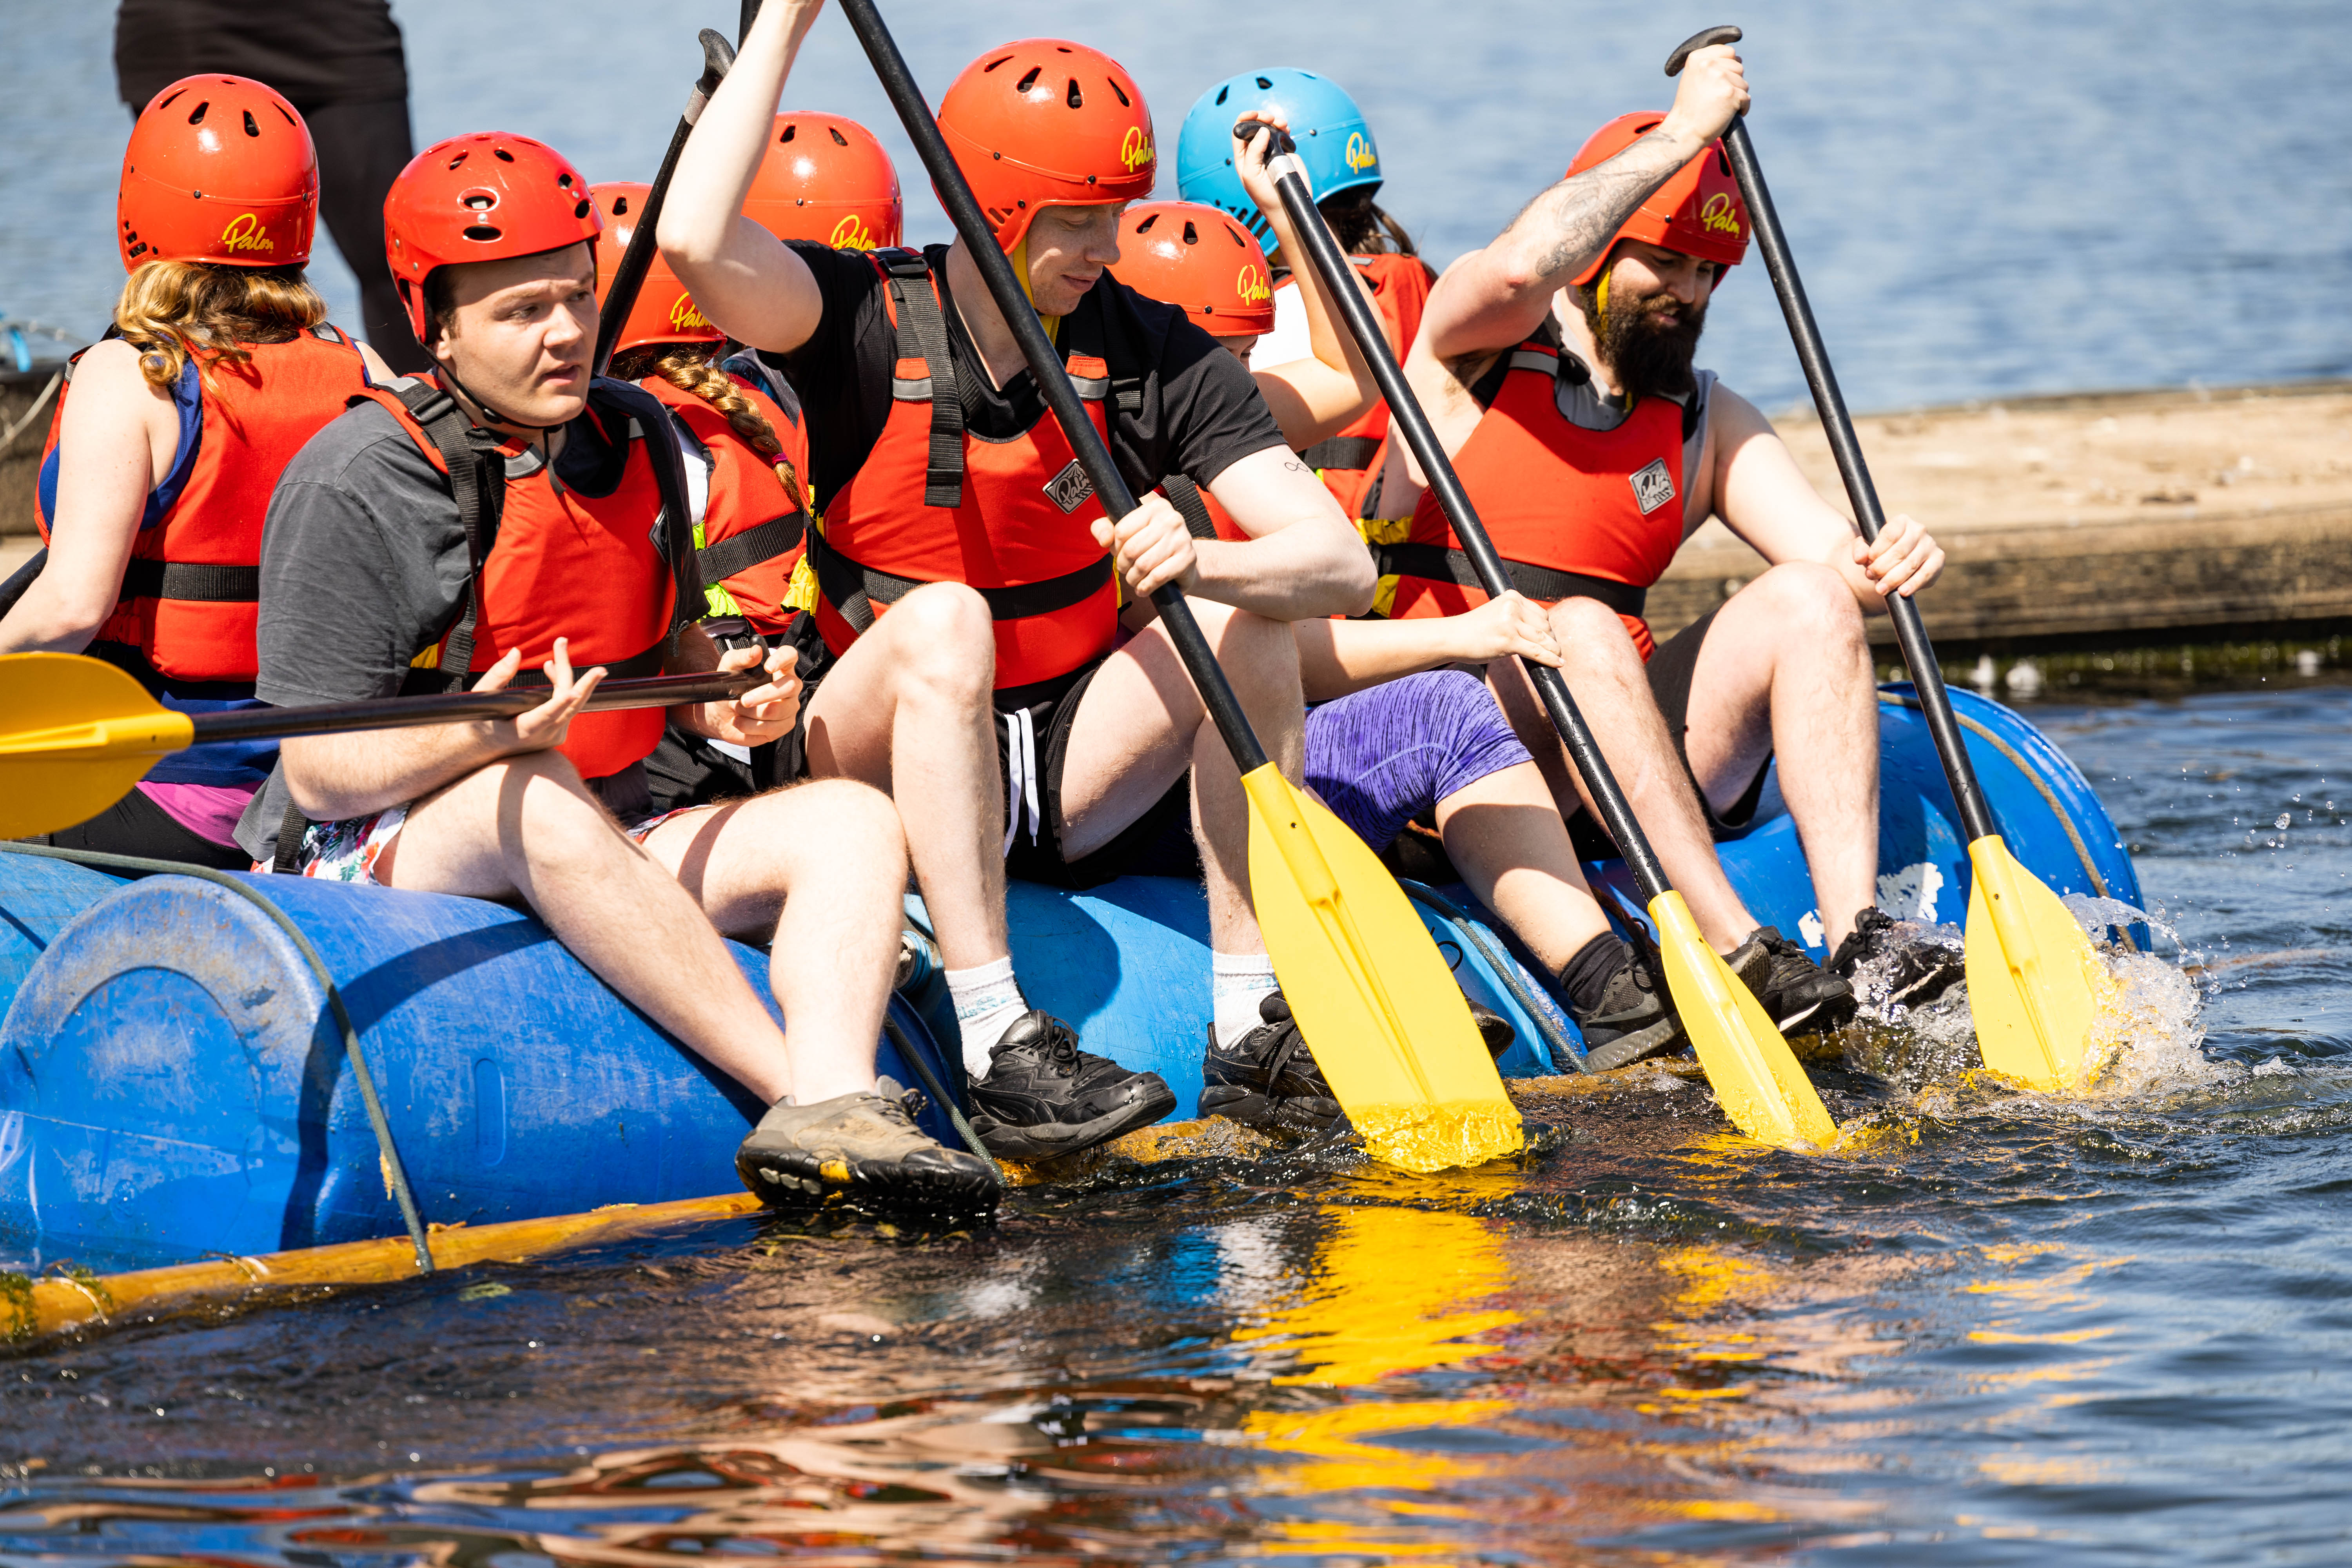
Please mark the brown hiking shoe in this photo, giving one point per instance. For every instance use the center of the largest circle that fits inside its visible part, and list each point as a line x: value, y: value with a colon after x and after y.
x: 864, y: 1146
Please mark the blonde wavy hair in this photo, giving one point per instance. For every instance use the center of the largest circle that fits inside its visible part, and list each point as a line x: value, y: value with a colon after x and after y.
x: 172, y: 311
x: 690, y: 368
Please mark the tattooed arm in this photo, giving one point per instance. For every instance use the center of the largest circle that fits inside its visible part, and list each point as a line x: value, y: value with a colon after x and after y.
x: 1493, y: 298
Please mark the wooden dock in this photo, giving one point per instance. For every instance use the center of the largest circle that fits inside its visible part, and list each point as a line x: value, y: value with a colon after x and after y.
x: 2088, y: 521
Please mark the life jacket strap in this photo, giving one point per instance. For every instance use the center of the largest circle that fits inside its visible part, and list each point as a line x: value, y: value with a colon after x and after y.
x: 1545, y: 584
x: 200, y: 581
x: 741, y: 551
x: 854, y: 589
x: 917, y: 309
x: 1344, y: 452
x: 1185, y: 497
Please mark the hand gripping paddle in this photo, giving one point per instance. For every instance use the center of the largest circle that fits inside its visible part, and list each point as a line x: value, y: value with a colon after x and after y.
x: 1758, y: 1079
x: 81, y: 733
x: 1374, y: 999
x: 2035, y: 987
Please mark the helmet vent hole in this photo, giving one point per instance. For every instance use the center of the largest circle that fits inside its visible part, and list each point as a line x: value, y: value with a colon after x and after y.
x: 787, y: 136
x: 1236, y: 235
x: 1026, y: 82
x: 620, y: 207
x: 1145, y: 227
x: 286, y: 114
x: 171, y: 101
x: 459, y: 159
x: 1222, y: 93
x: 480, y: 201
x: 580, y: 209
x: 502, y: 155
x: 250, y: 128
x: 1722, y: 161
x: 481, y: 231
x: 1121, y: 93
x: 1265, y: 83
x: 994, y: 64
x: 1191, y: 234
x: 1077, y: 98
x: 197, y: 117
x: 563, y: 181
x: 838, y: 139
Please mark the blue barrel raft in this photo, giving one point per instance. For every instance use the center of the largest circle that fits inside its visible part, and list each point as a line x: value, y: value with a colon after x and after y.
x: 173, y: 1082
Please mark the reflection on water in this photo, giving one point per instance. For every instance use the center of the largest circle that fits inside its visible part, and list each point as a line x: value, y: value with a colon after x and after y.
x: 1996, y: 1326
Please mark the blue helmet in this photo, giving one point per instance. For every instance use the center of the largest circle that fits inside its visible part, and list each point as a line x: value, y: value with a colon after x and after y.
x: 1333, y: 140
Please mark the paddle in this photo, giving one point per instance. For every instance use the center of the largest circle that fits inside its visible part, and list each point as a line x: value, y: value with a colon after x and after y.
x: 79, y: 733
x: 1756, y: 1077
x: 2035, y: 987
x: 1374, y: 997
x: 718, y: 55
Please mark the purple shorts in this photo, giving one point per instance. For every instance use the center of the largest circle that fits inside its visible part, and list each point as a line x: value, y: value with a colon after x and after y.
x: 1382, y: 756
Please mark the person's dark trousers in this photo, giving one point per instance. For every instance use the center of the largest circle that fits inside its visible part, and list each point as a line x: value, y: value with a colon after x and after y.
x: 362, y: 147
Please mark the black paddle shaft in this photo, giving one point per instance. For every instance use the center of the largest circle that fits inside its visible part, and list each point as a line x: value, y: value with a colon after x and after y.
x: 1046, y: 365
x: 401, y: 712
x: 1405, y: 413
x: 629, y: 277
x: 1935, y: 703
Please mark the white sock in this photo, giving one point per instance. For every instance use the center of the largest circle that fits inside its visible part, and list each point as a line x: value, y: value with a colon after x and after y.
x: 1238, y: 982
x: 987, y: 1002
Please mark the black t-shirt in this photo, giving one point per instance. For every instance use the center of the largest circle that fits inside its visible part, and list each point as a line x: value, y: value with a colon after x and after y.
x: 316, y: 52
x: 1200, y: 413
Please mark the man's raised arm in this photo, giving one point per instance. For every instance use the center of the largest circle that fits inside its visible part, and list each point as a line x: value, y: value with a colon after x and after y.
x: 1493, y: 298
x: 747, y: 281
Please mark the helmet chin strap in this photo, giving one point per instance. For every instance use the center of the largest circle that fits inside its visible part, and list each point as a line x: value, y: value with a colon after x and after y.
x: 1019, y: 256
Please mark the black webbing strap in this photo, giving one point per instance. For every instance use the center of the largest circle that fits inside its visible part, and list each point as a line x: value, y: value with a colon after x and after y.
x: 201, y: 582
x: 636, y: 666
x: 1541, y: 584
x: 919, y: 318
x: 741, y: 551
x: 854, y: 589
x: 1348, y: 452
x: 477, y: 482
x: 1185, y: 497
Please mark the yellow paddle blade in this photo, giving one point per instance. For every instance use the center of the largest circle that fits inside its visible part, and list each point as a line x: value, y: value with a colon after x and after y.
x: 78, y: 734
x: 1374, y: 999
x: 1753, y: 1072
x: 2035, y: 987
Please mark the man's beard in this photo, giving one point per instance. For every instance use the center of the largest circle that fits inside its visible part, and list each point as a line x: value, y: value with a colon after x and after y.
x: 1646, y: 356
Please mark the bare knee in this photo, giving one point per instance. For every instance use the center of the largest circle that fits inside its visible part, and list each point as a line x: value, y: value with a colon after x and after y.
x: 1590, y: 634
x: 942, y: 639
x: 1810, y: 600
x: 846, y: 820
x: 1258, y: 655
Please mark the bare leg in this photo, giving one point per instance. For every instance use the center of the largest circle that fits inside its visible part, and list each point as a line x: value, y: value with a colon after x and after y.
x: 820, y: 868
x: 1505, y: 835
x: 908, y: 710
x: 527, y: 827
x: 1604, y: 673
x: 1141, y: 723
x: 1786, y: 668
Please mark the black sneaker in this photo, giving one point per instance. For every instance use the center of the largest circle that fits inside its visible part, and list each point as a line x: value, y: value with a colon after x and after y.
x: 1630, y: 1023
x: 865, y: 1146
x: 1044, y: 1096
x: 1268, y: 1077
x: 1494, y: 1031
x: 1906, y: 971
x: 1793, y: 987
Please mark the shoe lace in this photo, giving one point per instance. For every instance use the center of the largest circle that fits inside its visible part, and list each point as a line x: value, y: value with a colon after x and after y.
x: 900, y: 1110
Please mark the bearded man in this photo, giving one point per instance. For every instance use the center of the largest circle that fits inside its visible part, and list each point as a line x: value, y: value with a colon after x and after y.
x: 1557, y: 367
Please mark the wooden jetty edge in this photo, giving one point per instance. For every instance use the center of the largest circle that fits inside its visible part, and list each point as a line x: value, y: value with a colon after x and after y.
x: 2083, y: 520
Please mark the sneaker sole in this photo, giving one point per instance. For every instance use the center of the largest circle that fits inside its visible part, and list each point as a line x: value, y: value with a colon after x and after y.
x: 780, y: 1178
x: 1626, y: 1049
x: 1252, y: 1109
x: 1045, y: 1141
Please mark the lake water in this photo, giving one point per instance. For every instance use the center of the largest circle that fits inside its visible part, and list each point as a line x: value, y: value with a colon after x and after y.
x: 1987, y: 199
x: 2009, y: 1330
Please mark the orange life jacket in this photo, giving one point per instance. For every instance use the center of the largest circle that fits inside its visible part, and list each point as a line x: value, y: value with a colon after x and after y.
x: 190, y: 594
x: 1573, y: 512
x: 934, y: 504
x: 552, y: 561
x: 1346, y: 462
x: 755, y: 519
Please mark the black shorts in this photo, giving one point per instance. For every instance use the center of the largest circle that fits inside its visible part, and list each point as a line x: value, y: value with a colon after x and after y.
x: 689, y: 771
x: 135, y: 825
x: 1669, y: 673
x: 1033, y: 750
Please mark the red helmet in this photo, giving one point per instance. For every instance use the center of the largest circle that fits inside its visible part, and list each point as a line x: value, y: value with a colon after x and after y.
x: 1044, y: 123
x: 489, y: 196
x: 1196, y: 257
x: 826, y: 178
x: 664, y: 312
x: 1698, y: 212
x: 219, y: 169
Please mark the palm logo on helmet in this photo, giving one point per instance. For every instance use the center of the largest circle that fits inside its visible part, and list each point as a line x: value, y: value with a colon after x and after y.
x: 824, y: 178
x: 1698, y: 212
x: 1186, y: 254
x: 488, y: 197
x: 1044, y: 123
x: 219, y: 169
x: 1333, y: 140
x: 664, y: 312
